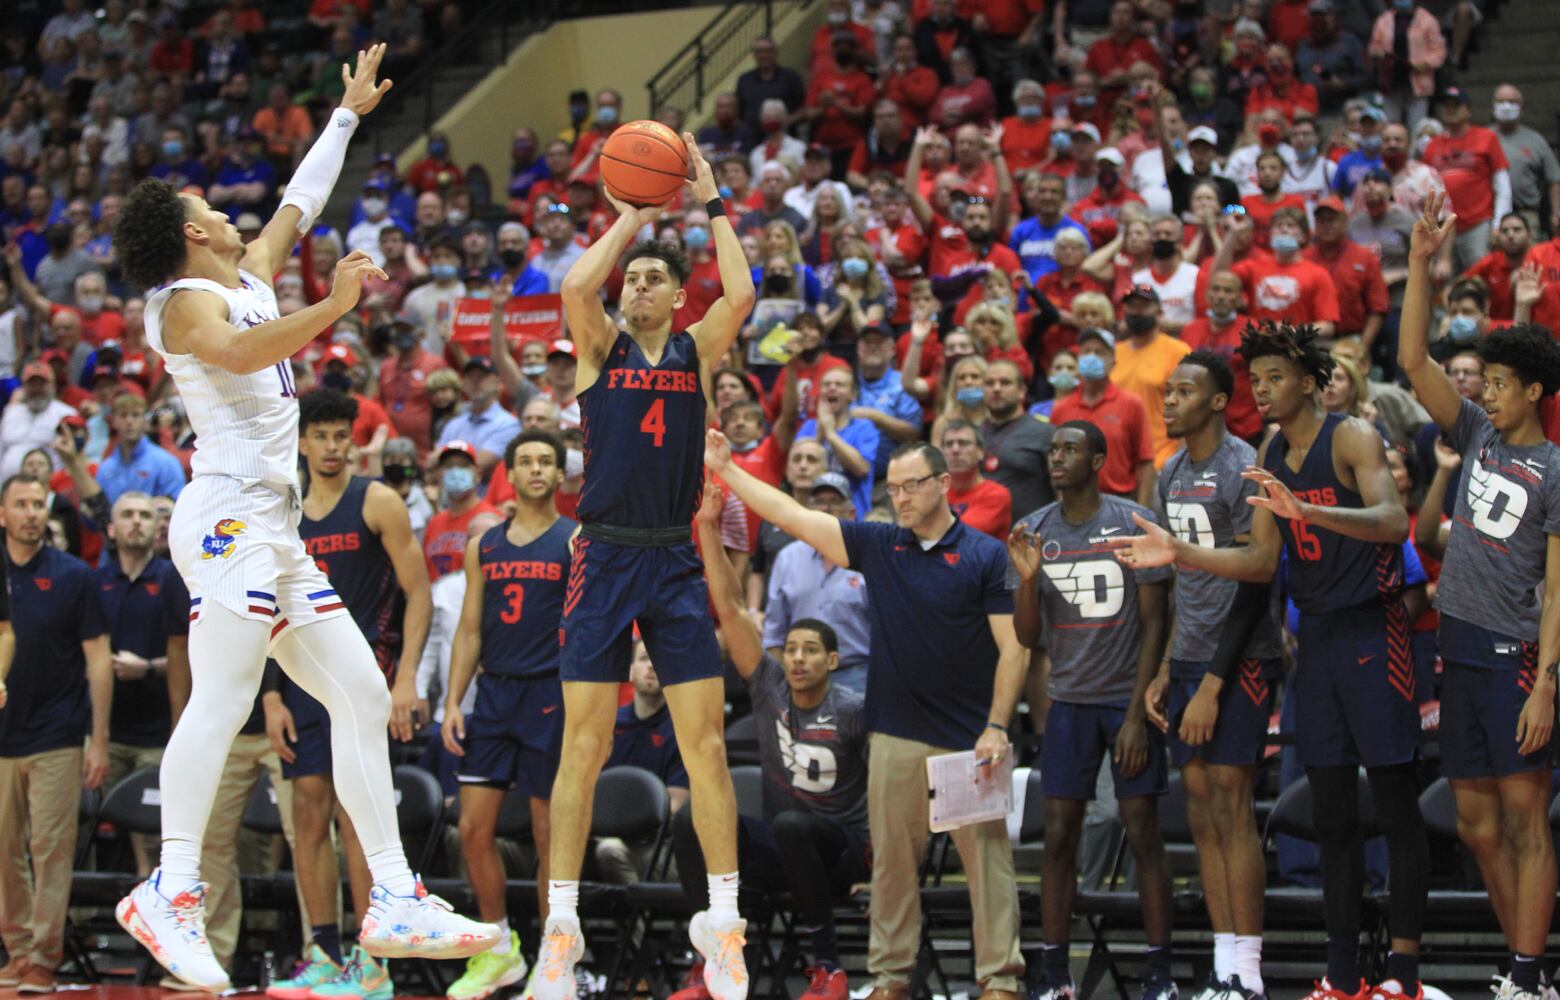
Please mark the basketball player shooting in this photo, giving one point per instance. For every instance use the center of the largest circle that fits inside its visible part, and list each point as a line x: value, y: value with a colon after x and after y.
x: 254, y: 591
x: 642, y: 405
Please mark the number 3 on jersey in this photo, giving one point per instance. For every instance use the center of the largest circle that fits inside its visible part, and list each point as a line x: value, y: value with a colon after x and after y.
x: 654, y: 422
x: 514, y: 593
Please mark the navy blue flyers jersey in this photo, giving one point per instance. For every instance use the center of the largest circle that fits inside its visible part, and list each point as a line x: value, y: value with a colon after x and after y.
x: 522, y: 599
x: 349, y: 552
x: 644, y: 437
x: 1328, y: 571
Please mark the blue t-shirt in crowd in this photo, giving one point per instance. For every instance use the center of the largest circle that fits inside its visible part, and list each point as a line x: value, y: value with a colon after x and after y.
x: 862, y: 435
x: 1034, y: 242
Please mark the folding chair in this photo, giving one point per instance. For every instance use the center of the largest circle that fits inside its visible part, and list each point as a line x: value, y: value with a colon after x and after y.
x: 419, y: 809
x: 632, y: 805
x: 87, y: 810
x: 135, y: 806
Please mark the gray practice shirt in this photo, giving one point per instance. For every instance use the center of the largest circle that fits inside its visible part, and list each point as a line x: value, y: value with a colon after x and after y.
x: 1017, y: 456
x: 813, y: 758
x: 1205, y: 503
x: 1533, y: 166
x: 1509, y: 506
x: 1089, y: 601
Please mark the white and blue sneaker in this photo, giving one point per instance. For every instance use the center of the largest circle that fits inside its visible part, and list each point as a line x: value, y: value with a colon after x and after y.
x: 1160, y: 989
x: 1054, y: 991
x: 421, y: 926
x: 1214, y: 989
x: 1236, y: 990
x: 174, y: 931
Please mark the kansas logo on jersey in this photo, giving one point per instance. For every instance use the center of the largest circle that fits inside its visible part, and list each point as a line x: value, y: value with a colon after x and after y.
x: 223, y: 539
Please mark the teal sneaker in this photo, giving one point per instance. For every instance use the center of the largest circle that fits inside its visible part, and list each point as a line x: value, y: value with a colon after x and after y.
x: 489, y: 972
x: 365, y: 977
x: 318, y: 968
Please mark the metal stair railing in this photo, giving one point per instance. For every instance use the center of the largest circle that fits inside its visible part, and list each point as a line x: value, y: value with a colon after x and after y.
x: 714, y: 52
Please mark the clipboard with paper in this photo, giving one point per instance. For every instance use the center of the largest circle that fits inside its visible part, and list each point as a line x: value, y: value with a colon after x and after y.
x: 961, y: 794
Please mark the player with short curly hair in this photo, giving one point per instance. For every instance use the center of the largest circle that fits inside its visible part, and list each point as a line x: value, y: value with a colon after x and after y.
x: 1499, y: 640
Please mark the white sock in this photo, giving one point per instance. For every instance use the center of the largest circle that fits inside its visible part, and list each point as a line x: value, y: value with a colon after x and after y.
x: 389, y: 869
x: 1248, y: 961
x: 502, y: 948
x: 1223, y: 957
x: 180, y: 865
x: 563, y: 899
x: 723, y: 896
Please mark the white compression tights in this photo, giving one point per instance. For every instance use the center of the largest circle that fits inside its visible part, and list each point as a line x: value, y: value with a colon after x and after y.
x: 332, y: 662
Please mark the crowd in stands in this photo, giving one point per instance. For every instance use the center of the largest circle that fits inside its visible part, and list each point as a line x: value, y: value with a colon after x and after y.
x: 967, y: 220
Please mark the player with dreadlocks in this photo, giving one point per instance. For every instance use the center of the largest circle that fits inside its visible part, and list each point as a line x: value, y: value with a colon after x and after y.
x: 1499, y: 639
x: 1327, y: 500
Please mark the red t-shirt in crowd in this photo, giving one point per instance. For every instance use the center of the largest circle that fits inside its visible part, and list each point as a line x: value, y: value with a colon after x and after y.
x: 1205, y: 271
x: 370, y: 417
x: 444, y: 540
x: 1261, y: 211
x: 987, y: 507
x: 1468, y: 164
x: 1240, y: 416
x: 1496, y: 269
x: 1025, y: 145
x: 1008, y: 18
x: 1296, y: 96
x: 1108, y: 57
x: 1098, y: 209
x: 1357, y: 282
x: 807, y: 378
x: 833, y: 128
x: 94, y: 329
x: 914, y: 91
x: 403, y: 386
x: 1119, y: 416
x: 704, y: 289
x: 1300, y: 292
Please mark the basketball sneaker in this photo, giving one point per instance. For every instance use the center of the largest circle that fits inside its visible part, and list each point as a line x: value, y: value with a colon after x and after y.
x: 362, y: 978
x: 318, y: 968
x: 1236, y: 990
x: 827, y: 984
x: 562, y: 947
x: 421, y: 926
x: 490, y: 972
x: 1505, y: 989
x: 174, y: 931
x: 1391, y: 989
x: 1053, y: 991
x: 725, y: 969
x: 1160, y: 989
x: 1213, y: 989
x: 1326, y: 991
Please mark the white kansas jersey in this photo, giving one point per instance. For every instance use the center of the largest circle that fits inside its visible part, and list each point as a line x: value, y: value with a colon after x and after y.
x: 246, y: 426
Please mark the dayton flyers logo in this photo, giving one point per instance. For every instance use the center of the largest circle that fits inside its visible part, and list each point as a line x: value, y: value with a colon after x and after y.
x: 223, y: 539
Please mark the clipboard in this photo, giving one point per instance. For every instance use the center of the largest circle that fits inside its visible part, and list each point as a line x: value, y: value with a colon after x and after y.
x: 959, y: 793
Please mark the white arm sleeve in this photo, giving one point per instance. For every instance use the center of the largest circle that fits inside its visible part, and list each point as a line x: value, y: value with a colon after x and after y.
x: 1502, y: 186
x: 312, y: 182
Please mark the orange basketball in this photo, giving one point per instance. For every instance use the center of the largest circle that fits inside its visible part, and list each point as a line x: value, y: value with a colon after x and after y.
x: 644, y: 163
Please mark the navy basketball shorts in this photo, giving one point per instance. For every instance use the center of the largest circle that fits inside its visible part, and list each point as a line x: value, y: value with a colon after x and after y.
x: 1354, y: 688
x: 613, y: 587
x: 514, y: 734
x: 1480, y: 707
x: 1245, y: 705
x: 1079, y: 737
x: 311, y: 754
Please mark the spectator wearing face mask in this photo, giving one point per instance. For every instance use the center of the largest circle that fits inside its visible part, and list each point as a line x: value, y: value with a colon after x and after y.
x: 403, y: 388
x: 97, y: 323
x: 1473, y: 164
x: 375, y: 204
x: 1285, y: 287
x: 703, y: 286
x: 339, y: 369
x: 1129, y: 455
x: 444, y: 540
x: 435, y: 169
x: 400, y: 469
x: 1534, y: 169
x: 1356, y: 163
x: 583, y: 166
x: 431, y: 305
x: 177, y: 163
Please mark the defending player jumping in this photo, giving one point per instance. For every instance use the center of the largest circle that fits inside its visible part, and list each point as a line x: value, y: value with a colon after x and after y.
x: 1328, y: 499
x: 642, y: 405
x: 254, y: 590
x: 1497, y: 705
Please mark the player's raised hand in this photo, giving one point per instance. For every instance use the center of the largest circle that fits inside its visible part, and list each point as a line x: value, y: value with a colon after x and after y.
x: 347, y: 284
x: 712, y: 503
x: 1275, y: 496
x: 640, y: 216
x: 362, y: 94
x: 1528, y: 285
x: 1024, y: 550
x: 1154, y: 547
x: 717, y: 451
x: 1446, y: 456
x: 454, y: 729
x: 705, y: 190
x: 1429, y: 232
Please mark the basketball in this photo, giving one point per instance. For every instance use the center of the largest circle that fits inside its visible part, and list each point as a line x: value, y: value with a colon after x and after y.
x: 644, y: 163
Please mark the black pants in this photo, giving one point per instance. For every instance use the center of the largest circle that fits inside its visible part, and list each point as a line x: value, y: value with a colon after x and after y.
x: 813, y: 858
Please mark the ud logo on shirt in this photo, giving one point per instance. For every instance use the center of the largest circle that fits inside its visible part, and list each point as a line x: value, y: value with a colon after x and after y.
x: 1498, y: 503
x: 1096, y: 587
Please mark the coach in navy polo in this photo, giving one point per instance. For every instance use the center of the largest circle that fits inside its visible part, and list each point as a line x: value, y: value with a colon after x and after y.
x: 147, y: 609
x: 945, y: 674
x: 57, y: 692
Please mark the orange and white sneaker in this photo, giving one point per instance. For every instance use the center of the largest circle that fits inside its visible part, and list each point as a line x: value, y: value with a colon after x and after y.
x: 1326, y: 991
x: 421, y: 926
x: 562, y: 947
x: 174, y: 931
x: 725, y: 968
x: 1391, y: 989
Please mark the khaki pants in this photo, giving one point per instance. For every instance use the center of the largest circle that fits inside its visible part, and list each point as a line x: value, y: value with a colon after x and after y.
x: 897, y: 812
x: 40, y: 797
x: 250, y: 756
x: 123, y: 761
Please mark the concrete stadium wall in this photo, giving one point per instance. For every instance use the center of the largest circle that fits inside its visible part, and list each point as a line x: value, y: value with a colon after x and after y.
x: 532, y: 87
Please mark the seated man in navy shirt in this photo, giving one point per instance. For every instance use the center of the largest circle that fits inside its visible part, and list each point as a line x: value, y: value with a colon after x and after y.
x: 812, y: 746
x: 945, y: 675
x: 643, y: 737
x: 147, y: 610
x: 57, y: 693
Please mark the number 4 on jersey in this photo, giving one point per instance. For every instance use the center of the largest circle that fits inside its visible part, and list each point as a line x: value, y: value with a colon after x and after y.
x: 654, y: 422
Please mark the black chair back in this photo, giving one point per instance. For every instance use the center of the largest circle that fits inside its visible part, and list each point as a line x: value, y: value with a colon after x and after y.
x: 742, y: 741
x: 261, y: 813
x: 1174, y: 826
x: 631, y: 804
x: 1438, y: 806
x: 419, y: 809
x: 135, y: 804
x: 748, y: 782
x: 1292, y: 812
x: 1031, y: 829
